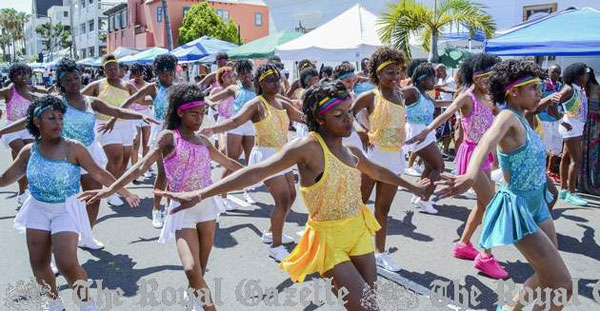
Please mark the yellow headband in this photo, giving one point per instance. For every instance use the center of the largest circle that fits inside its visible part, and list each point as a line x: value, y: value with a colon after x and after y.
x: 266, y: 74
x: 481, y: 75
x: 382, y: 65
x: 108, y: 62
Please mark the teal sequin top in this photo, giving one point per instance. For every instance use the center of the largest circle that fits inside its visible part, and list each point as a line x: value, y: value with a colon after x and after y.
x: 420, y: 112
x: 160, y: 103
x: 51, y: 181
x: 79, y: 125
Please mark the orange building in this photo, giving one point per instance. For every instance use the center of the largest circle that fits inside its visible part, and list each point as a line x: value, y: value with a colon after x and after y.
x: 140, y: 24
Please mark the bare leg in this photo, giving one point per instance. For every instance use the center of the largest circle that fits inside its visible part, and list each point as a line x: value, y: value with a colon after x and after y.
x: 206, y: 237
x: 278, y: 188
x: 575, y: 164
x: 145, y: 140
x: 160, y: 182
x: 114, y: 153
x: 433, y: 158
x: 39, y: 246
x: 564, y: 165
x: 384, y: 197
x: 233, y: 150
x: 15, y: 147
x: 484, y: 188
x: 188, y: 248
x: 135, y: 148
x: 89, y: 183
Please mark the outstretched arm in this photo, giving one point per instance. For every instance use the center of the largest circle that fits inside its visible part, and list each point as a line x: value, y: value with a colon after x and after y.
x: 223, y: 94
x: 236, y: 121
x: 140, y: 95
x: 117, y: 112
x: 457, y: 104
x: 17, y: 168
x: 219, y: 157
x: 14, y: 127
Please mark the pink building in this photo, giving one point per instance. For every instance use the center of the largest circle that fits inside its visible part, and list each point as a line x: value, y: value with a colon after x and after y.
x: 140, y: 23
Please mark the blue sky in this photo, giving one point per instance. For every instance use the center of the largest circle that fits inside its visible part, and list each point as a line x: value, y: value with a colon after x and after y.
x: 19, y: 5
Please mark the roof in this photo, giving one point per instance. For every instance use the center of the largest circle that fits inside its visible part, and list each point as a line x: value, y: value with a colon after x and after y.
x: 116, y: 8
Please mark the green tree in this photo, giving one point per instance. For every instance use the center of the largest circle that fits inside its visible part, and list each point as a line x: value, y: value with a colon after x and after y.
x: 54, y: 36
x: 407, y: 16
x: 202, y: 20
x: 12, y: 25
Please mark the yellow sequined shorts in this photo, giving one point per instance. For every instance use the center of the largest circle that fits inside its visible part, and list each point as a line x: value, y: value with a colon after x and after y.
x: 328, y: 243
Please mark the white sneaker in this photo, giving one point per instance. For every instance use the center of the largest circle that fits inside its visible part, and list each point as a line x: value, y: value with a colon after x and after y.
x: 425, y: 206
x: 88, y: 306
x: 148, y: 174
x: 157, y: 219
x: 413, y: 199
x: 470, y: 194
x: 386, y: 262
x: 114, y: 200
x: 249, y: 198
x: 22, y: 197
x: 278, y: 253
x: 97, y: 245
x: 410, y: 171
x: 267, y: 238
x: 229, y: 206
x: 54, y: 305
x: 53, y: 265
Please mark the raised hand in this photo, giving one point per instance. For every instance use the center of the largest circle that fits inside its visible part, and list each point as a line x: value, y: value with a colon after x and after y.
x: 149, y: 120
x: 419, y: 138
x: 186, y: 199
x: 107, y: 127
x: 92, y: 196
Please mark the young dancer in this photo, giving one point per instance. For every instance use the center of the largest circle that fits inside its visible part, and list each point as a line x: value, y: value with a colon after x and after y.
x: 308, y: 78
x: 164, y: 67
x: 143, y: 129
x: 552, y: 139
x: 386, y: 118
x: 476, y: 115
x: 345, y: 73
x: 574, y: 100
x: 52, y: 217
x: 338, y: 240
x: 17, y: 96
x: 518, y: 211
x: 225, y: 78
x: 187, y: 159
x: 271, y: 118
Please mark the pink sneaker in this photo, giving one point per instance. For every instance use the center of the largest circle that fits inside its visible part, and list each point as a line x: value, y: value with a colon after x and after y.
x: 489, y: 266
x: 464, y: 251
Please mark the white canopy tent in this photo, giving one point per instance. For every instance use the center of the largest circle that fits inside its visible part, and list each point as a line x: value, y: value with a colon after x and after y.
x: 350, y: 36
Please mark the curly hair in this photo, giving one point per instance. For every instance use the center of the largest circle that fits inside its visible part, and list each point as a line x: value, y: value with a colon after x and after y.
x: 64, y: 66
x: 221, y: 71
x: 475, y: 63
x: 164, y: 63
x: 413, y: 65
x: 137, y: 69
x: 276, y: 61
x: 45, y: 101
x: 243, y: 65
x: 325, y: 70
x: 305, y: 63
x: 181, y: 94
x: 343, y: 69
x: 573, y: 71
x: 381, y: 55
x: 306, y: 74
x: 221, y: 55
x: 18, y: 68
x: 313, y: 95
x: 506, y: 72
x: 422, y: 71
x: 260, y: 71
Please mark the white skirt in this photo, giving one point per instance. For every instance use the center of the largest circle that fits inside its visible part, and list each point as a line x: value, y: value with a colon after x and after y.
x: 392, y: 160
x: 260, y: 154
x: 301, y: 129
x: 154, y: 131
x: 413, y: 129
x: 35, y: 214
x: 246, y: 129
x: 98, y: 155
x: 206, y: 210
x: 576, y: 127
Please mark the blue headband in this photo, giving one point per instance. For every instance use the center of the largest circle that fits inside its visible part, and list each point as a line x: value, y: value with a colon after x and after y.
x: 37, y: 112
x: 423, y: 76
x: 347, y: 75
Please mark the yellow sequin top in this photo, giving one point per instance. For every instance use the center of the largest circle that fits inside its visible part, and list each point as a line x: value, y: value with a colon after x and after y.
x: 387, y: 124
x: 337, y: 194
x: 112, y: 95
x: 272, y: 131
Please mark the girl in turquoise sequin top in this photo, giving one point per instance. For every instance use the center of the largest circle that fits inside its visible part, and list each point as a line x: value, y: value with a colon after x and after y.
x: 53, y: 218
x: 518, y: 214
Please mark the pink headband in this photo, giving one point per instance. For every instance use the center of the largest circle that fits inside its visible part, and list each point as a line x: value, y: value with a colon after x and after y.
x: 190, y: 105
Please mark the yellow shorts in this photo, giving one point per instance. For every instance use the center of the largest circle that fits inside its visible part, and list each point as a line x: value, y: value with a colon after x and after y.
x: 328, y: 243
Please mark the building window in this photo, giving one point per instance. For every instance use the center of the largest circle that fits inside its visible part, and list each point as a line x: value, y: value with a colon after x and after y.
x: 65, y: 14
x: 185, y: 10
x: 529, y: 11
x: 82, y: 3
x: 111, y: 23
x: 91, y: 1
x: 123, y: 15
x: 83, y: 53
x: 224, y: 14
x: 91, y: 25
x: 82, y: 28
x: 159, y: 14
x: 91, y: 52
x: 258, y: 19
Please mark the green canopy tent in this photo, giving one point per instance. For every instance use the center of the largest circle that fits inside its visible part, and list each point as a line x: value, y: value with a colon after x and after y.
x: 263, y: 47
x: 453, y: 57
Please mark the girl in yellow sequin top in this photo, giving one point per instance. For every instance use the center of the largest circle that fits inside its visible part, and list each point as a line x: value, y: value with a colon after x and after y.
x: 271, y: 117
x: 337, y: 241
x: 385, y: 128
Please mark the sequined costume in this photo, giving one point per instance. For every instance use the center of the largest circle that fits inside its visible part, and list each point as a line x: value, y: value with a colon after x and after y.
x: 187, y: 169
x: 516, y: 209
x: 339, y: 224
x: 242, y: 97
x: 53, y: 205
x: 225, y: 107
x: 575, y: 113
x: 80, y: 126
x: 386, y: 133
x: 418, y: 116
x: 271, y: 134
x: 474, y: 126
x: 16, y: 108
x: 160, y: 103
x: 123, y: 131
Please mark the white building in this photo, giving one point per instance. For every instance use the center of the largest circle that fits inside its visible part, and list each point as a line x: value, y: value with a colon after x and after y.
x: 89, y: 25
x: 44, y: 12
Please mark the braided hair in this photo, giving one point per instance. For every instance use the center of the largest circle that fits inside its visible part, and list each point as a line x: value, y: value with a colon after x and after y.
x: 314, y: 95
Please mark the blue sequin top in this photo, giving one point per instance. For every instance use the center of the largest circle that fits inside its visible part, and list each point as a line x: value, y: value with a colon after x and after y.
x: 244, y: 95
x: 160, y: 102
x: 51, y: 181
x: 79, y: 125
x: 420, y: 112
x: 363, y: 87
x: 526, y: 164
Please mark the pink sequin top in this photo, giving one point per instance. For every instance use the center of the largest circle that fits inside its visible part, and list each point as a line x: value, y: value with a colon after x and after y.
x: 225, y: 107
x: 136, y: 106
x: 17, y: 107
x: 478, y: 121
x: 188, y: 167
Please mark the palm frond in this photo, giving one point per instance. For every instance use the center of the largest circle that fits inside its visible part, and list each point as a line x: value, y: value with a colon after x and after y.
x: 400, y: 19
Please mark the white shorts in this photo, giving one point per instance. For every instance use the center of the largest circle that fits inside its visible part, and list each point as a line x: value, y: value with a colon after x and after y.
x: 220, y: 119
x: 70, y: 216
x: 392, y: 160
x: 246, y: 129
x: 122, y: 134
x: 10, y: 137
x: 98, y: 155
x: 140, y: 123
x: 353, y: 141
x: 576, y: 128
x: 552, y: 139
x: 206, y: 210
x: 413, y: 129
x: 155, y: 130
x: 260, y: 154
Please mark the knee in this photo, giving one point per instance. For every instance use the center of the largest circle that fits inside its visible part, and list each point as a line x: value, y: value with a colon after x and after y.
x: 67, y: 267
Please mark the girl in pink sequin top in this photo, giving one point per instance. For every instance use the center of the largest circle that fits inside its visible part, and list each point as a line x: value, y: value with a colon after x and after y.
x: 476, y: 110
x: 187, y: 161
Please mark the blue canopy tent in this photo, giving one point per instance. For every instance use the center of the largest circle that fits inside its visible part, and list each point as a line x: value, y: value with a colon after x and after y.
x: 123, y: 51
x: 146, y: 57
x: 571, y: 32
x: 200, y: 48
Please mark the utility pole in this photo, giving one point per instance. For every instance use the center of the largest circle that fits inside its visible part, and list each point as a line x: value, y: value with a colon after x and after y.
x: 167, y: 25
x: 73, y: 44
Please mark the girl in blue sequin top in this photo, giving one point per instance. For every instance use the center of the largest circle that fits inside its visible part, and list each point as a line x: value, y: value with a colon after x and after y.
x: 518, y: 211
x: 53, y: 218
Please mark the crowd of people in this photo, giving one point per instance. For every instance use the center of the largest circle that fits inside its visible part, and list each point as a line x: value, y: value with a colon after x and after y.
x: 512, y: 129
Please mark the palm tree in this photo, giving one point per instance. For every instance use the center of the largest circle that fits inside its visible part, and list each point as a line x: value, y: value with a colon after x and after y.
x: 12, y: 24
x: 54, y: 35
x: 405, y: 17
